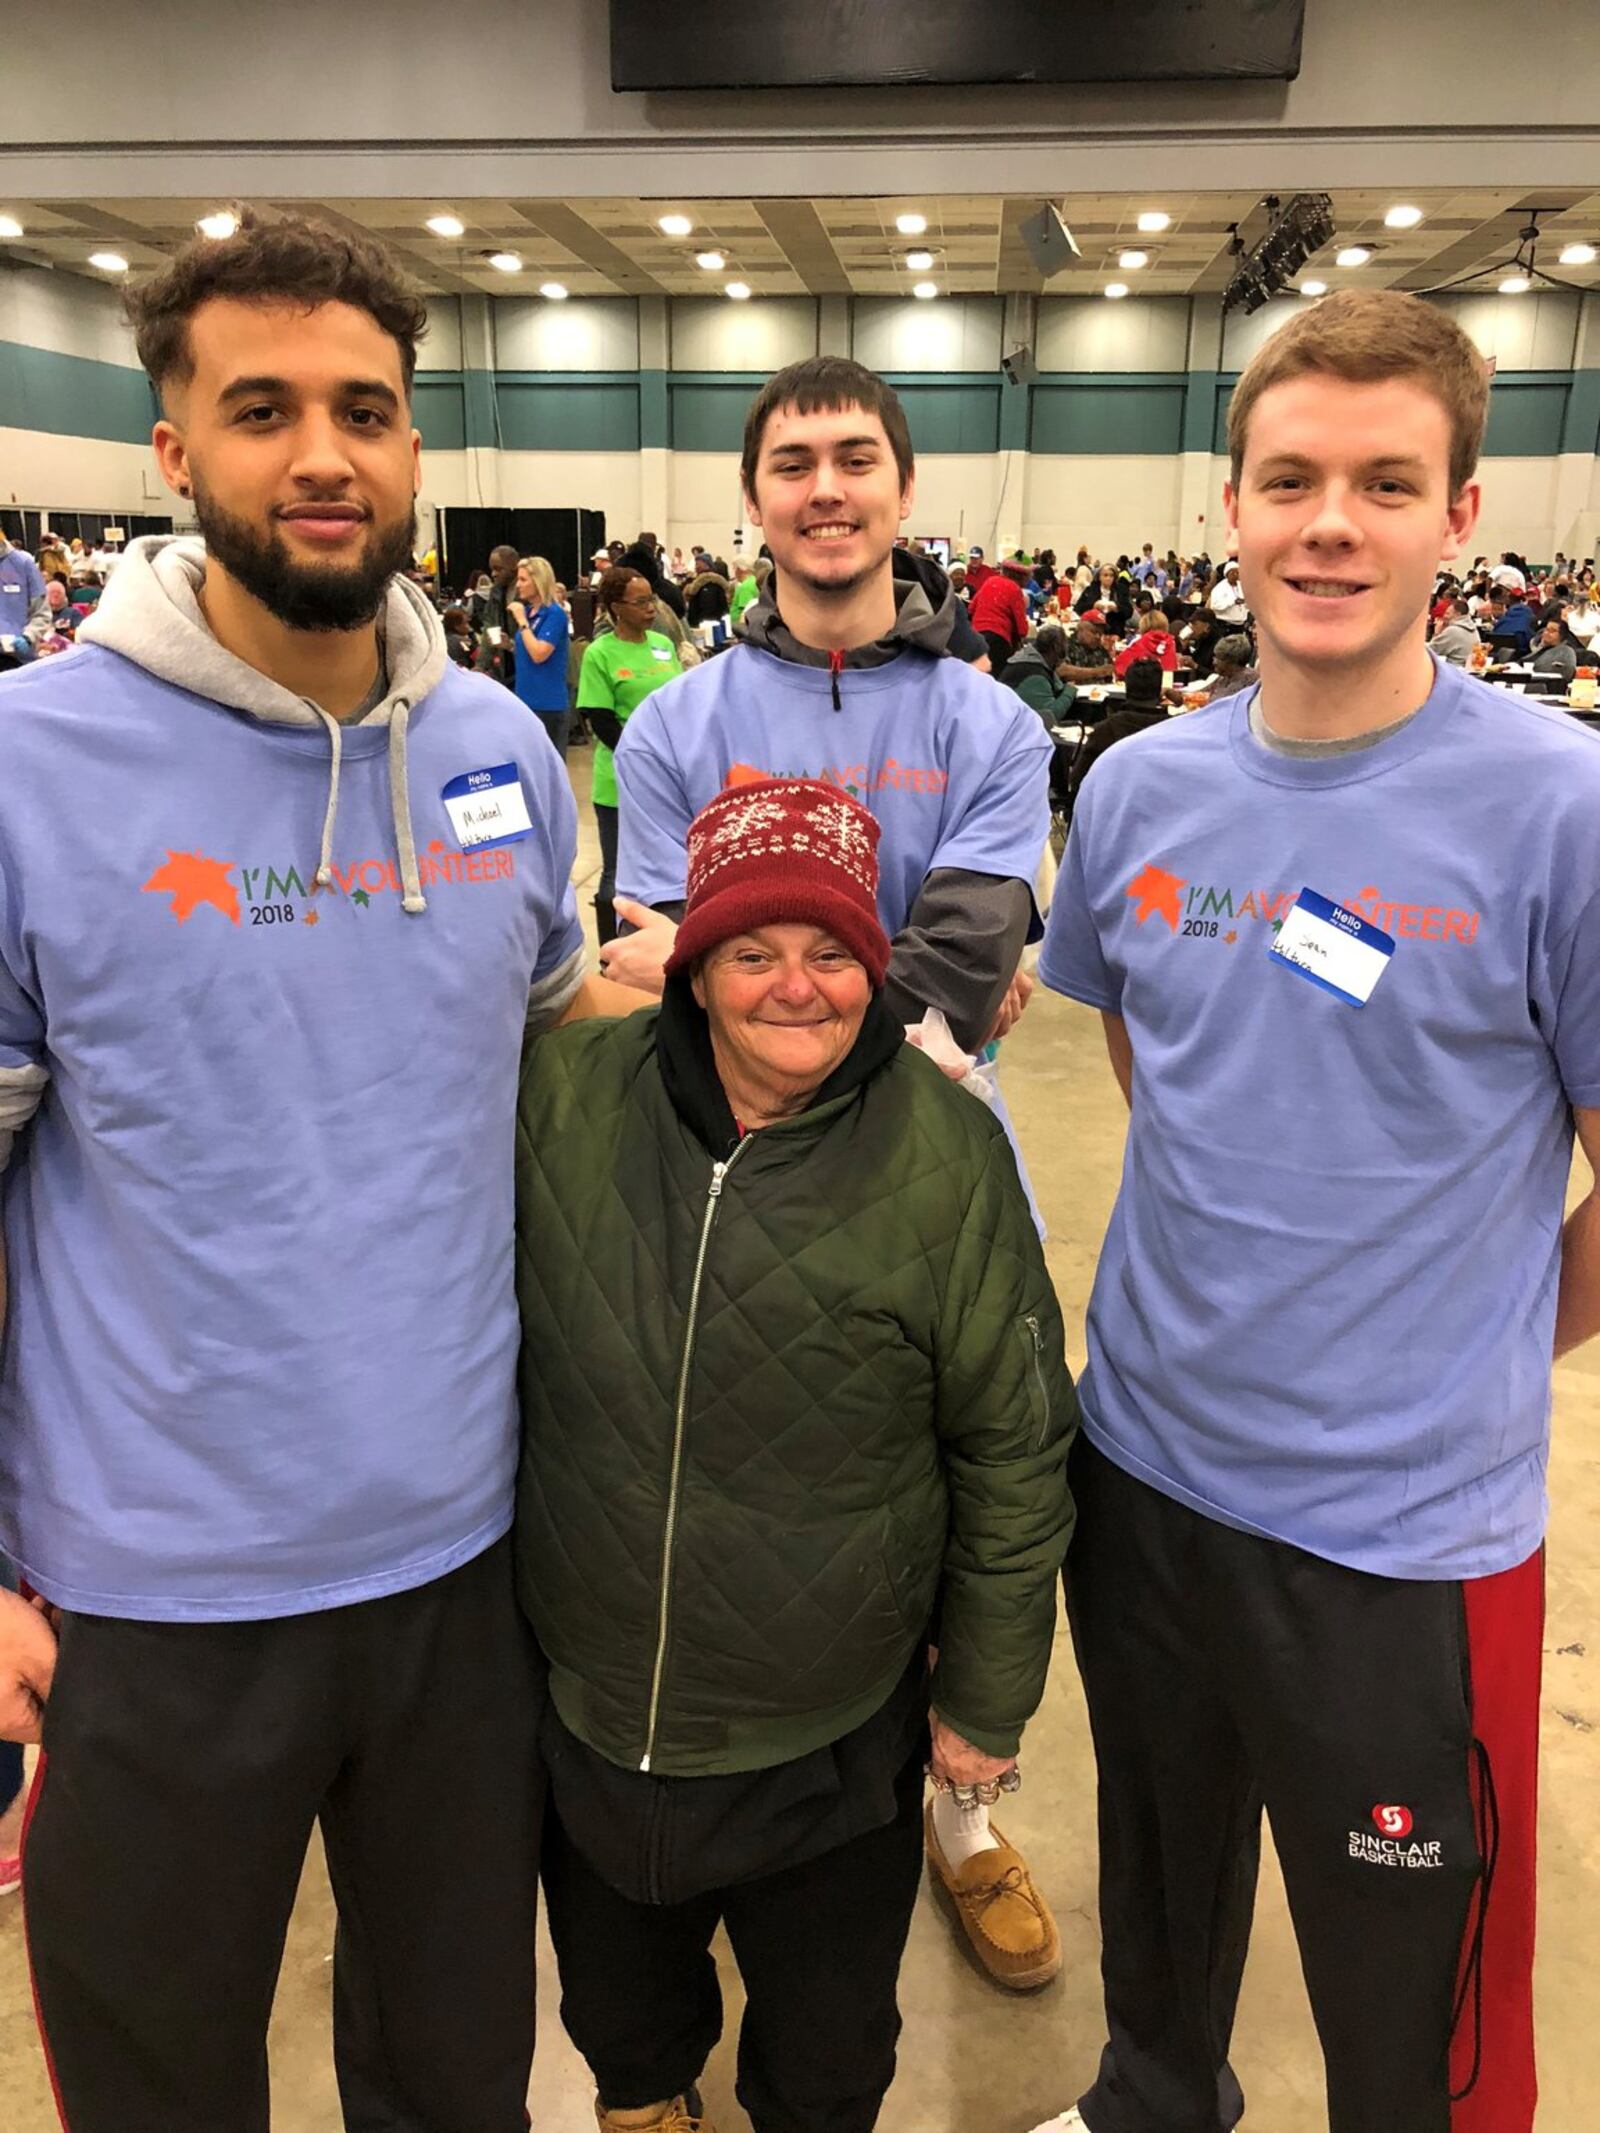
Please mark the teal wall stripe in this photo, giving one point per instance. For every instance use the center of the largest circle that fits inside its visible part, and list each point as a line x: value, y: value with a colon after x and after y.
x: 73, y: 396
x: 1531, y: 413
x: 1199, y: 410
x: 1131, y: 415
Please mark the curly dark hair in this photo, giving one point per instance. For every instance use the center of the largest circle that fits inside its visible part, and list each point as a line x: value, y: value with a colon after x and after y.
x: 286, y: 260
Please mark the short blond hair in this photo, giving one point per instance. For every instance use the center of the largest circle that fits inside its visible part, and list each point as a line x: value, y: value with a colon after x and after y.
x: 542, y: 575
x: 1365, y: 336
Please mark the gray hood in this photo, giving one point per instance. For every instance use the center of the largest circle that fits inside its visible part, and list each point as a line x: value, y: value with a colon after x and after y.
x: 150, y: 613
x: 927, y: 613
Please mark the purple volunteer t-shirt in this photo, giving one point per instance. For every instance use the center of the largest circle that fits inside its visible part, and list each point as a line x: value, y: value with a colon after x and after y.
x: 1325, y: 1306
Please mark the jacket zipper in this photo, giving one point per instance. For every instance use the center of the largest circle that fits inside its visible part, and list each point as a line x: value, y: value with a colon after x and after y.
x: 1032, y: 1325
x: 719, y: 1172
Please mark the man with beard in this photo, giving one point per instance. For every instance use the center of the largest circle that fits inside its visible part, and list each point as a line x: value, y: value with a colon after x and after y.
x: 283, y: 891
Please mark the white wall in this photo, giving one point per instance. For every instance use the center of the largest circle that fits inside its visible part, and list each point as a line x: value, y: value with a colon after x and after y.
x: 1088, y: 333
x: 1538, y: 331
x: 898, y: 333
x: 81, y: 474
x: 714, y: 333
x: 600, y: 333
x: 66, y: 313
x: 1108, y: 505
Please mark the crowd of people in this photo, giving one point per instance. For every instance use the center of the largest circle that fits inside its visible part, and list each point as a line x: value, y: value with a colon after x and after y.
x: 606, y: 1427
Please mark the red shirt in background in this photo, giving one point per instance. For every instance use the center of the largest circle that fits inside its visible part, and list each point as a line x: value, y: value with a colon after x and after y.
x: 999, y: 609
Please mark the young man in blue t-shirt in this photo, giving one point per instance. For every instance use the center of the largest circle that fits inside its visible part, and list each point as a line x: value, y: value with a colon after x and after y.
x: 1345, y: 936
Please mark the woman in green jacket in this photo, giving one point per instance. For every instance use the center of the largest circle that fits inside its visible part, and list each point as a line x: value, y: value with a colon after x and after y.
x: 794, y: 1405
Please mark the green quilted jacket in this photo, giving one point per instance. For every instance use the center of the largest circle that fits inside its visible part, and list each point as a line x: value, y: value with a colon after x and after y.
x: 780, y: 1412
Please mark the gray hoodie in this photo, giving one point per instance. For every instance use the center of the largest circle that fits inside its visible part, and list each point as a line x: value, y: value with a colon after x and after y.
x: 150, y: 612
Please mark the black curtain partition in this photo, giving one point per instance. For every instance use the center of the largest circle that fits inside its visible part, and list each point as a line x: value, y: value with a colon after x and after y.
x: 25, y: 525
x: 566, y: 539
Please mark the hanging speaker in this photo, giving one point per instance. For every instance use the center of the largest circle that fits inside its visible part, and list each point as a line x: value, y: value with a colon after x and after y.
x: 1051, y: 245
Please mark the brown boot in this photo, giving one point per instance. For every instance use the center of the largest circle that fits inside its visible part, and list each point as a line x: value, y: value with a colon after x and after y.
x: 1001, y: 1912
x: 682, y: 2115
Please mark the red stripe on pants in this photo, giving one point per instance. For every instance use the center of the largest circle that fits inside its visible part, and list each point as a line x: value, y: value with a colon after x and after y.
x: 1505, y: 1642
x: 28, y: 1812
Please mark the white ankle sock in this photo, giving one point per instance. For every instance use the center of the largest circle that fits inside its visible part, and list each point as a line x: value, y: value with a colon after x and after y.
x: 963, y: 1832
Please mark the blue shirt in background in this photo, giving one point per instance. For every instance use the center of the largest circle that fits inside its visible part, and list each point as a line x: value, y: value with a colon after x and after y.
x: 21, y: 585
x: 542, y: 683
x: 1325, y: 1307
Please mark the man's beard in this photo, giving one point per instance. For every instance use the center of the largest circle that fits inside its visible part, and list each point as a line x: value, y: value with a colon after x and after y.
x: 306, y: 596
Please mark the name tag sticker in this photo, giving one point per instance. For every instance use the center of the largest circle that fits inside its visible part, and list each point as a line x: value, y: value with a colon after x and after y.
x: 1333, y: 947
x: 661, y: 652
x: 486, y: 807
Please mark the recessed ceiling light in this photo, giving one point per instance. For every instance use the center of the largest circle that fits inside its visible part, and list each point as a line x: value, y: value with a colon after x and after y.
x: 10, y: 226
x: 1353, y: 255
x: 222, y: 224
x: 911, y: 225
x: 713, y: 262
x: 1154, y: 222
x: 447, y: 226
x: 674, y: 225
x: 925, y: 291
x: 738, y: 290
x: 1577, y: 255
x: 1116, y: 288
x: 919, y: 262
x: 505, y: 262
x: 1402, y: 218
x: 109, y: 262
x: 555, y: 290
x: 1133, y: 259
x: 1514, y: 285
x: 1313, y: 288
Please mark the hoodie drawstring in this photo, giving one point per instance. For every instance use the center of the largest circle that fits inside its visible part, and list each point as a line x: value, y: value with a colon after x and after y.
x: 399, y: 800
x: 323, y: 877
x: 835, y: 669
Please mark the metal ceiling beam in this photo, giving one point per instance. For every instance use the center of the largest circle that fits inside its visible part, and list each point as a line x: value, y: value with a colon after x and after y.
x: 554, y: 218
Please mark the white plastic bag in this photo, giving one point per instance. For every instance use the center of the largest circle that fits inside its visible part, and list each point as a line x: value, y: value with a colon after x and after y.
x: 933, y: 1035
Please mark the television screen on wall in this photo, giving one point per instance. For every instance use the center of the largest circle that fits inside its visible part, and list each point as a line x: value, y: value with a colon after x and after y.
x: 791, y: 44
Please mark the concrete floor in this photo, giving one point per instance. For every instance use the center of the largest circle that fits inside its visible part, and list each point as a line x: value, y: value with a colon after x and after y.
x: 972, y: 2059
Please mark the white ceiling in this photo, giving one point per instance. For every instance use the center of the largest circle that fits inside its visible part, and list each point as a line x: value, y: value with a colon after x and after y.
x: 823, y: 246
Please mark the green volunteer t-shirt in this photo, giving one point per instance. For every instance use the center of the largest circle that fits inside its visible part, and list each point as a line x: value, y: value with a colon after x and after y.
x: 617, y: 676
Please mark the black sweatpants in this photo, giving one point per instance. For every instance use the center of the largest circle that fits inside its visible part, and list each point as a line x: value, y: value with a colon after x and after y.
x: 818, y: 1947
x: 184, y: 1767
x: 1389, y: 1728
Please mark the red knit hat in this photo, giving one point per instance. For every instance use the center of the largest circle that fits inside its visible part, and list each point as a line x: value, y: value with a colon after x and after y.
x: 783, y: 851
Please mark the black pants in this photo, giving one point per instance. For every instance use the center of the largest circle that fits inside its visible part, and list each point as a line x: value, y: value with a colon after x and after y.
x: 818, y: 1947
x: 1225, y: 1673
x: 185, y: 1766
x: 1000, y: 651
x: 605, y: 910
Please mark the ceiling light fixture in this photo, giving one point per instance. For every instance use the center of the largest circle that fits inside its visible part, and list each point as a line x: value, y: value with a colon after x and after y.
x: 1313, y: 288
x: 1155, y: 222
x: 1576, y: 255
x: 919, y: 262
x: 738, y: 290
x: 1353, y: 255
x: 713, y: 262
x: 1518, y: 274
x: 1515, y: 285
x: 10, y: 226
x: 911, y: 225
x: 555, y: 290
x: 505, y: 262
x: 925, y: 291
x: 1402, y: 218
x: 108, y: 262
x: 1133, y: 259
x: 674, y: 225
x: 447, y: 226
x: 222, y: 224
x: 1115, y: 289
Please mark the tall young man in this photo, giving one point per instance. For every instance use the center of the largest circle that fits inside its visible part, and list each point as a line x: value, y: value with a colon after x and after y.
x: 283, y: 890
x: 1343, y: 932
x: 842, y: 673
